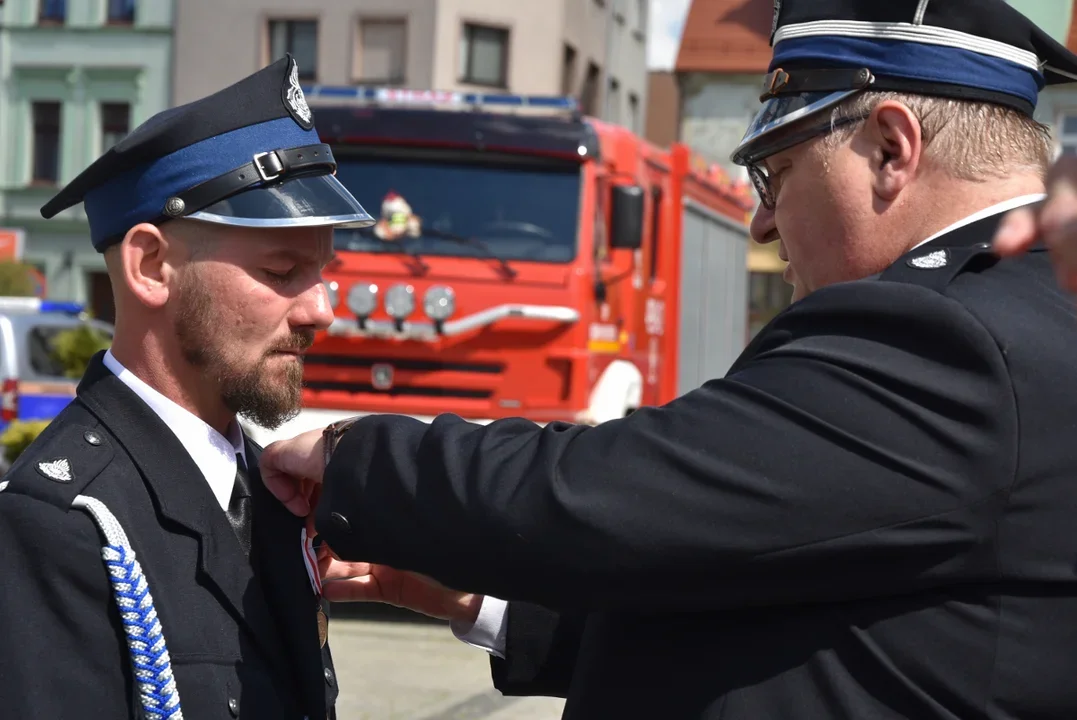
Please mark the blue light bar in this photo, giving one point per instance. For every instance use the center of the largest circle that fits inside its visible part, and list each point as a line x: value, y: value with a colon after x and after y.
x: 403, y: 96
x: 37, y: 305
x: 62, y: 307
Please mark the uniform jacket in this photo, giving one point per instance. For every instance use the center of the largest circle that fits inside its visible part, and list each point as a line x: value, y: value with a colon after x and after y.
x: 871, y: 516
x: 242, y: 634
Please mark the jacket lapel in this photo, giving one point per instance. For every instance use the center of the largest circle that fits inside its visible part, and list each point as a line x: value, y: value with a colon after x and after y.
x: 182, y: 496
x: 279, y: 554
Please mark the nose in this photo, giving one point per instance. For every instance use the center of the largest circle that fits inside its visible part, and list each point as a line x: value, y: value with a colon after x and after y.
x: 763, y: 228
x: 312, y: 308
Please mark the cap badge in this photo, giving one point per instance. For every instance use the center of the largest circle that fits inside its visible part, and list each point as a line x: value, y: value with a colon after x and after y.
x: 931, y: 261
x: 58, y: 470
x: 294, y: 99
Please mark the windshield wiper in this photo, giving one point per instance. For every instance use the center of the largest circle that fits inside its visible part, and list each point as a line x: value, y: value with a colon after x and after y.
x: 404, y: 249
x: 475, y: 242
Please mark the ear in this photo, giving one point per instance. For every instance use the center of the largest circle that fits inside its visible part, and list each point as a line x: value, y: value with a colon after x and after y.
x: 147, y: 265
x: 898, y: 145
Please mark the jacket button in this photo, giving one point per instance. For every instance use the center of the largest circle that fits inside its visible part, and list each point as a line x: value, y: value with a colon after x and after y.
x: 233, y: 707
x: 329, y: 676
x: 341, y: 522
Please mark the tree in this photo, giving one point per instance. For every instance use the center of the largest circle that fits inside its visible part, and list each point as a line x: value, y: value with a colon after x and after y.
x: 16, y: 280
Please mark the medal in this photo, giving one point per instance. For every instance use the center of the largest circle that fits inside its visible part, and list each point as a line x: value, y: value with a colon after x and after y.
x: 323, y: 628
x: 310, y: 559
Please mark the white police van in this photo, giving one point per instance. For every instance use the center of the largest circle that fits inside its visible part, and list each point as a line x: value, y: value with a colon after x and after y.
x: 33, y: 384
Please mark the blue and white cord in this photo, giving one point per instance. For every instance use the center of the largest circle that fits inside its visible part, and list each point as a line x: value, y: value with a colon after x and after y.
x: 145, y: 639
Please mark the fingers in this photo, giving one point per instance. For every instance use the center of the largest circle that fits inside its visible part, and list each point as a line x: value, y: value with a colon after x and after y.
x: 1017, y: 233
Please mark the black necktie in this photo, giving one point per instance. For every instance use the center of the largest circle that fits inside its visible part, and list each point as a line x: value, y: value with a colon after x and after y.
x: 239, y: 506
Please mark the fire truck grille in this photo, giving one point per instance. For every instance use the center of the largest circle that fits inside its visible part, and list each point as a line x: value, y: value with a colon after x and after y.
x: 405, y: 365
x: 406, y: 382
x: 400, y: 390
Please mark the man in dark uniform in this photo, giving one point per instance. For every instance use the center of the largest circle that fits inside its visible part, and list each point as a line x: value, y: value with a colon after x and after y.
x: 146, y: 570
x: 872, y: 514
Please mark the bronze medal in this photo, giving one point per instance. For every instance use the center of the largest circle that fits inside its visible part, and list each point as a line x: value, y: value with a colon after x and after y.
x: 323, y: 628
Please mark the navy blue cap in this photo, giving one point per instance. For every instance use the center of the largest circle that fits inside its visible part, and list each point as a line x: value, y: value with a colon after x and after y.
x: 248, y: 155
x: 825, y: 51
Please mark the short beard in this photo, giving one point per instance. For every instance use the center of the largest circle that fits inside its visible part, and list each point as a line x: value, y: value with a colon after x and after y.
x: 245, y: 391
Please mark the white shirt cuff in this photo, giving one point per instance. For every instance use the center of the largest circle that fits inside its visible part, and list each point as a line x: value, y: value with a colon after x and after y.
x: 488, y: 632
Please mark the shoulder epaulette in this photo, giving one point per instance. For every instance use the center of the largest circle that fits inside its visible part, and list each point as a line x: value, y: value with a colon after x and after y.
x: 60, y: 467
x: 936, y: 267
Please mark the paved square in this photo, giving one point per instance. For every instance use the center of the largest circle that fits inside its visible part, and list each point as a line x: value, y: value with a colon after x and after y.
x: 391, y: 670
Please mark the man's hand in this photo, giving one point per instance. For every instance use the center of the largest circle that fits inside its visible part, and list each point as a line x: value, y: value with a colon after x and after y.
x: 366, y: 582
x: 1055, y: 223
x: 292, y: 470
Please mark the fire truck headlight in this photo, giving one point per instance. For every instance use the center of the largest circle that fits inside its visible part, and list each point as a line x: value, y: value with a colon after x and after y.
x: 439, y: 303
x: 400, y: 301
x: 333, y: 289
x: 363, y: 299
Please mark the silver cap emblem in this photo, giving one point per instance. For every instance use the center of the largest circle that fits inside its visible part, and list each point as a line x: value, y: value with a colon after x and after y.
x: 931, y: 261
x: 58, y: 470
x: 297, y: 102
x: 777, y: 12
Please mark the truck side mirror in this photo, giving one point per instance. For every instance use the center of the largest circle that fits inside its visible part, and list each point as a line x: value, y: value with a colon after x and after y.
x: 626, y: 223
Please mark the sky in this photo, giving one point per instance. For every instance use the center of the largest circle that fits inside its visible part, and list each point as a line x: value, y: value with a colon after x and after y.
x: 667, y: 21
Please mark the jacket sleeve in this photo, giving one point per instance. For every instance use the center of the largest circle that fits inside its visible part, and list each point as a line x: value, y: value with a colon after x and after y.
x: 62, y: 654
x: 863, y: 445
x: 540, y: 651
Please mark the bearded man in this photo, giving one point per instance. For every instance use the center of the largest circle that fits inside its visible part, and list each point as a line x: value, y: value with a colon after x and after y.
x: 147, y: 571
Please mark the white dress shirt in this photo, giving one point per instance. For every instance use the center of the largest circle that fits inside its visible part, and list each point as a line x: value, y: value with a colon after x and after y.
x: 214, y: 454
x: 488, y: 632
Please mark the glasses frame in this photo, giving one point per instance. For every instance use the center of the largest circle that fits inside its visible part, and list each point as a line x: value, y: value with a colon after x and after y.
x: 758, y: 174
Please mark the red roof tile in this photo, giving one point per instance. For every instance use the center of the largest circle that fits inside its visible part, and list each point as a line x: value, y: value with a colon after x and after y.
x: 727, y: 36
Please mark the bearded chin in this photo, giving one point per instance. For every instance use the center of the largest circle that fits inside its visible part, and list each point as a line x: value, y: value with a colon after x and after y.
x: 245, y: 390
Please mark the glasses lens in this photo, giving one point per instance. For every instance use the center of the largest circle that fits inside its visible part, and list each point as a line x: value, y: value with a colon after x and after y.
x: 762, y: 185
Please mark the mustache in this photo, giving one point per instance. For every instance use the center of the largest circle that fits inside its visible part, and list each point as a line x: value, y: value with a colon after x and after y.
x: 296, y: 341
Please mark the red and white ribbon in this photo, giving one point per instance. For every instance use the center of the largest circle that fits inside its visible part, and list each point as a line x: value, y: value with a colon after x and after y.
x: 310, y: 559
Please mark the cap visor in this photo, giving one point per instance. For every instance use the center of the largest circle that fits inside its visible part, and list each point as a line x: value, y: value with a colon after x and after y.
x: 772, y: 129
x: 310, y: 201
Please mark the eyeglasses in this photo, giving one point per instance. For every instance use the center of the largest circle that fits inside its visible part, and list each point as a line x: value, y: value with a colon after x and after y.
x: 761, y: 179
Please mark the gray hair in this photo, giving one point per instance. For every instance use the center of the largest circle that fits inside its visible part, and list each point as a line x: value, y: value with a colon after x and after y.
x: 970, y: 140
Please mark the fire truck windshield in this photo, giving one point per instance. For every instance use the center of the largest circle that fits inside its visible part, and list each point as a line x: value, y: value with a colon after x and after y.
x: 517, y: 211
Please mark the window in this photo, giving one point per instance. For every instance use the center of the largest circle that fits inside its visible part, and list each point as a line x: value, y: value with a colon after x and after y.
x: 484, y: 55
x: 298, y: 37
x: 1067, y: 137
x: 589, y: 91
x: 42, y: 358
x: 46, y: 151
x: 633, y: 112
x: 121, y: 12
x: 382, y: 46
x: 613, y: 102
x: 656, y: 228
x: 115, y: 123
x: 568, y: 70
x: 471, y: 205
x: 52, y: 11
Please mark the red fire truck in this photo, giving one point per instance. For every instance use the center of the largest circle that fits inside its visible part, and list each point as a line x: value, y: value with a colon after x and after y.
x: 527, y: 261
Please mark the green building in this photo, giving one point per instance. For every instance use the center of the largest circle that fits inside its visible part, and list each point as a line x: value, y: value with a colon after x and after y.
x: 75, y: 77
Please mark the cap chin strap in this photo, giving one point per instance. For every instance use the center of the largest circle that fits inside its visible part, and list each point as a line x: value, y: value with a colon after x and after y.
x: 795, y: 82
x: 266, y: 167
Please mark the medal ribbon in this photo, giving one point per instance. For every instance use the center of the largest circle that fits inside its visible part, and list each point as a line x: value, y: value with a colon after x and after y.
x: 310, y: 559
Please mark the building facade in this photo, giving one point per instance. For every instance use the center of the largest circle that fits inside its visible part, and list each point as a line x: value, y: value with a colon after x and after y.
x: 548, y: 48
x: 75, y: 77
x: 724, y: 53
